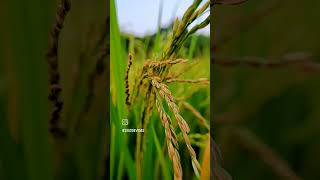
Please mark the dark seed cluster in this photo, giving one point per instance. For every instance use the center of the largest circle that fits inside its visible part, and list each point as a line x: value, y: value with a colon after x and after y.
x: 52, y: 59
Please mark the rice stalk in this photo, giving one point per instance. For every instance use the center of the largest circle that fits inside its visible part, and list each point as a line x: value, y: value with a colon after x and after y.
x: 99, y: 69
x: 196, y: 113
x: 302, y: 61
x: 183, y: 70
x: 196, y: 139
x: 204, y: 81
x: 180, y: 31
x: 156, y: 64
x: 54, y: 75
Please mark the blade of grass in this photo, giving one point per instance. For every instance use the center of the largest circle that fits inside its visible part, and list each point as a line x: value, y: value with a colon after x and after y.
x: 89, y: 148
x: 118, y: 65
x: 29, y: 45
x: 120, y: 170
x: 160, y: 155
x: 118, y: 62
x: 131, y: 44
x: 11, y: 157
x: 148, y: 157
x: 112, y: 150
x: 205, y: 166
x: 149, y: 152
x: 146, y: 45
x: 121, y: 146
x: 193, y: 44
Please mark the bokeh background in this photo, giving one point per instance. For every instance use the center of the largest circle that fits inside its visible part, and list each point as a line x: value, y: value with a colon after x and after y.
x: 27, y: 150
x: 266, y: 120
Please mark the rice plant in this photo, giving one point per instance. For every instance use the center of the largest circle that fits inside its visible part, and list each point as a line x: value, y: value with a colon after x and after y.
x: 148, y: 89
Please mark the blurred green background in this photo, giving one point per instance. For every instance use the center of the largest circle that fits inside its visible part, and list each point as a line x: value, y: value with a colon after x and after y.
x: 276, y: 107
x: 27, y: 150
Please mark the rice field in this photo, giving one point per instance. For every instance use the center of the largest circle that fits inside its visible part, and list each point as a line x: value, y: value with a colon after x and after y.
x: 160, y: 84
x: 80, y: 100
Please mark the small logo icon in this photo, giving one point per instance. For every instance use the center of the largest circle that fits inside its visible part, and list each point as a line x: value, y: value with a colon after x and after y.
x: 125, y: 122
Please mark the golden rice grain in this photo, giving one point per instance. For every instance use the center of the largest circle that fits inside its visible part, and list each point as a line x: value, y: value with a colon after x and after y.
x: 183, y: 125
x: 171, y: 140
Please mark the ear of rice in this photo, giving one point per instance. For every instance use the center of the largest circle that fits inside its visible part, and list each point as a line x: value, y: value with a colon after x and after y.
x: 167, y: 95
x: 127, y: 91
x: 171, y: 139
